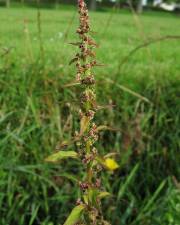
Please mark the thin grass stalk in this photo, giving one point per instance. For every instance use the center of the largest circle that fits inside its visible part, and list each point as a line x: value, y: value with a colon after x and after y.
x: 41, y: 46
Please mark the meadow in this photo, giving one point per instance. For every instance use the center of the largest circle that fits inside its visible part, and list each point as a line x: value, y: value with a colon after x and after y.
x: 38, y: 111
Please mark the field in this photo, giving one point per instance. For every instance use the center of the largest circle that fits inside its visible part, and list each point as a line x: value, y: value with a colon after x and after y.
x: 37, y: 111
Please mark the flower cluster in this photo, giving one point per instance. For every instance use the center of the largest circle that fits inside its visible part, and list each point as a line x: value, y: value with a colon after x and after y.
x: 84, y: 63
x: 88, y: 135
x: 86, y: 46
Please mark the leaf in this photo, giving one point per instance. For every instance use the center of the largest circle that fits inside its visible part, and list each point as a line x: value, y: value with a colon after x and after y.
x: 112, y: 154
x: 73, y: 60
x: 62, y: 145
x: 71, y: 84
x: 104, y: 194
x: 75, y: 215
x: 104, y: 127
x: 34, y: 213
x: 146, y: 209
x: 85, y: 197
x: 84, y: 124
x: 111, y: 164
x: 99, y: 107
x: 108, y: 163
x: 154, y: 196
x: 129, y: 179
x: 61, y: 155
x: 126, y: 89
x: 92, y: 196
x: 75, y: 43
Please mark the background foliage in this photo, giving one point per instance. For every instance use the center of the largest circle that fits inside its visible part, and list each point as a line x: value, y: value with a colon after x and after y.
x: 38, y: 111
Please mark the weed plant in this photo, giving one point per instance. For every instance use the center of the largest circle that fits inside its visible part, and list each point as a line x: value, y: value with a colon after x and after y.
x: 37, y: 110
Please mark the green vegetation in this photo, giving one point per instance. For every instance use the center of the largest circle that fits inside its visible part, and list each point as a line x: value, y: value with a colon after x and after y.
x: 38, y: 112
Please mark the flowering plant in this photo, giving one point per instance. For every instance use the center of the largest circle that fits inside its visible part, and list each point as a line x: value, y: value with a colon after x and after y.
x: 88, y: 207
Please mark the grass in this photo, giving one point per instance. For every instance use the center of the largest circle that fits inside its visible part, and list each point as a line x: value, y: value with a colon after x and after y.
x: 37, y: 113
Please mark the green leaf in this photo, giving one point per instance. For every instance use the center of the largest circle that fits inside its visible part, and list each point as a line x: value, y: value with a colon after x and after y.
x: 104, y: 127
x: 85, y: 197
x: 92, y: 196
x: 148, y: 208
x: 129, y: 179
x: 61, y: 155
x: 75, y: 215
x: 84, y: 124
x: 104, y: 194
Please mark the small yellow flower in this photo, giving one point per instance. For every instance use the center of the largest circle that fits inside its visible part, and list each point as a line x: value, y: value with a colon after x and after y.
x: 111, y: 164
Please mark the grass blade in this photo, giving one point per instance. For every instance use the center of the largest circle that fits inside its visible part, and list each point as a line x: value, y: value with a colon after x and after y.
x: 128, y: 181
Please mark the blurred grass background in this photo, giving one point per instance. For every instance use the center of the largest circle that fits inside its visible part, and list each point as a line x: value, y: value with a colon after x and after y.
x: 37, y: 112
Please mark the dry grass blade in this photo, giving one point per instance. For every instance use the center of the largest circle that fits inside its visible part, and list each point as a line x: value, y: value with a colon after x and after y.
x: 129, y: 91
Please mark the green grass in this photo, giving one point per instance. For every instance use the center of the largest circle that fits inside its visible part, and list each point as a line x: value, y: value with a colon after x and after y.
x: 37, y: 113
